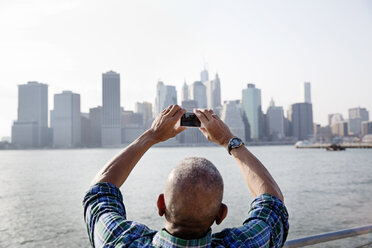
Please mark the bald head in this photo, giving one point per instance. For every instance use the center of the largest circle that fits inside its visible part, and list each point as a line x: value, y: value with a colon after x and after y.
x: 193, y: 194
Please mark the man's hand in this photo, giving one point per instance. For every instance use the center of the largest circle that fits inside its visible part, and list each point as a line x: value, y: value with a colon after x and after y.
x: 163, y: 127
x: 214, y: 129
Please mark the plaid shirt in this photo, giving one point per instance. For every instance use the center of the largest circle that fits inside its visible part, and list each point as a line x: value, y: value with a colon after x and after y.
x: 104, y: 212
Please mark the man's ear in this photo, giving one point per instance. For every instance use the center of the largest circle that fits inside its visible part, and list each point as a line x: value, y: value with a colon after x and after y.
x: 222, y: 213
x: 161, y: 205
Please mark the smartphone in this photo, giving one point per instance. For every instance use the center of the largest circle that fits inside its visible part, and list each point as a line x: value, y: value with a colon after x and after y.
x: 190, y: 120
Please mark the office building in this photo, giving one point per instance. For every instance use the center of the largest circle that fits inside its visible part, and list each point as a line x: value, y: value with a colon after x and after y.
x: 335, y: 118
x: 213, y: 89
x: 95, y: 117
x: 300, y: 116
x: 322, y: 134
x: 185, y: 92
x: 275, y: 121
x: 129, y: 118
x: 198, y: 92
x: 232, y: 116
x: 251, y: 105
x: 204, y: 75
x: 366, y: 127
x: 25, y: 134
x: 356, y: 117
x: 145, y: 109
x: 131, y: 126
x: 307, y: 92
x: 111, y: 111
x: 165, y: 95
x: 66, y: 120
x: 86, y: 130
x: 31, y: 127
x: 340, y: 129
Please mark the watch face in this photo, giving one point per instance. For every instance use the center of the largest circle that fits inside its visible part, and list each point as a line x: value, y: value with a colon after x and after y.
x: 235, y: 142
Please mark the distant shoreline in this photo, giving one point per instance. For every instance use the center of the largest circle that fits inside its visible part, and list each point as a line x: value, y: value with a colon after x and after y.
x: 160, y: 145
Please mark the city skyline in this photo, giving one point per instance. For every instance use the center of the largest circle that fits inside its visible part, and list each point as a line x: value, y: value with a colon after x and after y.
x: 276, y: 46
x: 71, y: 128
x: 306, y: 93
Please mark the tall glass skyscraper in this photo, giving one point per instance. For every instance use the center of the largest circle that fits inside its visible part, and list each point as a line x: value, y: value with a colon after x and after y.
x: 275, y: 121
x: 204, y: 75
x: 356, y: 117
x: 198, y: 92
x: 111, y: 111
x: 232, y: 116
x: 300, y: 116
x: 165, y: 95
x: 31, y: 128
x: 307, y: 92
x: 251, y: 103
x: 213, y: 89
x: 66, y: 120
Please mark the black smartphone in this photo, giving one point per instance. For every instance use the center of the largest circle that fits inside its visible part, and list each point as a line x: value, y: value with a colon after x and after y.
x: 190, y: 120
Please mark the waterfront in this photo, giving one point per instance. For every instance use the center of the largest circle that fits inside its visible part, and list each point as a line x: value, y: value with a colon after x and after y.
x: 41, y: 190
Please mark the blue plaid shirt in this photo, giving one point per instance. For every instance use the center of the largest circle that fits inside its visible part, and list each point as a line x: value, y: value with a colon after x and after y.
x: 104, y: 212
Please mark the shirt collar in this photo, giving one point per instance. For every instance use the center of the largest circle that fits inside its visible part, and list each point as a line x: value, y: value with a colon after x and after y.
x: 165, y: 239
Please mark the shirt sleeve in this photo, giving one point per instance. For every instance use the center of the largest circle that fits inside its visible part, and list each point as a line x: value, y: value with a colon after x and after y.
x: 269, y: 211
x: 266, y: 225
x: 105, y: 218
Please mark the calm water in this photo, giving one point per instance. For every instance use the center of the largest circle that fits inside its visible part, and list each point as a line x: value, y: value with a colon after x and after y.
x: 41, y: 191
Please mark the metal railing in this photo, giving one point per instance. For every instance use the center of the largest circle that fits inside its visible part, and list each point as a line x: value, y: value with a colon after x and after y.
x: 325, y: 237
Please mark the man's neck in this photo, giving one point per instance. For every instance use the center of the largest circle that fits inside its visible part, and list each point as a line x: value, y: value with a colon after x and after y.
x: 185, y: 232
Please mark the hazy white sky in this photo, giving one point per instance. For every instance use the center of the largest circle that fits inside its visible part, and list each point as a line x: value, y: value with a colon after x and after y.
x: 275, y: 44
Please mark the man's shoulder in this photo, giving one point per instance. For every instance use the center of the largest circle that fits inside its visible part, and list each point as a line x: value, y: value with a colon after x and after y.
x: 266, y: 225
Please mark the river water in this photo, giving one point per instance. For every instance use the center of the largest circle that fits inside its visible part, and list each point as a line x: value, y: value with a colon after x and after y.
x: 41, y: 191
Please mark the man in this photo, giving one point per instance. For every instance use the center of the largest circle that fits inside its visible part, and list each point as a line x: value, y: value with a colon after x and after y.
x: 192, y: 200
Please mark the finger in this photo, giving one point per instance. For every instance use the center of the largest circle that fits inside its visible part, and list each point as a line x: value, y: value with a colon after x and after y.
x: 203, y: 119
x: 173, y: 110
x: 207, y: 114
x: 166, y: 110
x: 215, y: 116
x: 177, y: 116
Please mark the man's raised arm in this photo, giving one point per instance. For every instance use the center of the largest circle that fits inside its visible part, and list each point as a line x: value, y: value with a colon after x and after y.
x: 163, y: 128
x: 255, y: 174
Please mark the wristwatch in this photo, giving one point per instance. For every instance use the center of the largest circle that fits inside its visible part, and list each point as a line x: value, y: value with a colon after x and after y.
x: 234, y: 143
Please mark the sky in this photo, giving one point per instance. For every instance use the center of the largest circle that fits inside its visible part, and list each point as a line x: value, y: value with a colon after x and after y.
x: 277, y: 45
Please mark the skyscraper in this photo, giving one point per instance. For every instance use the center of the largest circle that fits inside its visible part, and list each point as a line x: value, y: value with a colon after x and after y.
x: 31, y: 128
x: 198, y: 92
x: 66, y: 120
x: 165, y: 95
x: 300, y: 116
x: 111, y: 112
x: 204, y: 75
x: 307, y: 92
x: 213, y: 89
x: 251, y: 104
x: 145, y: 109
x: 232, y: 116
x: 95, y: 117
x: 356, y: 117
x: 335, y: 118
x: 275, y: 121
x: 185, y: 92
